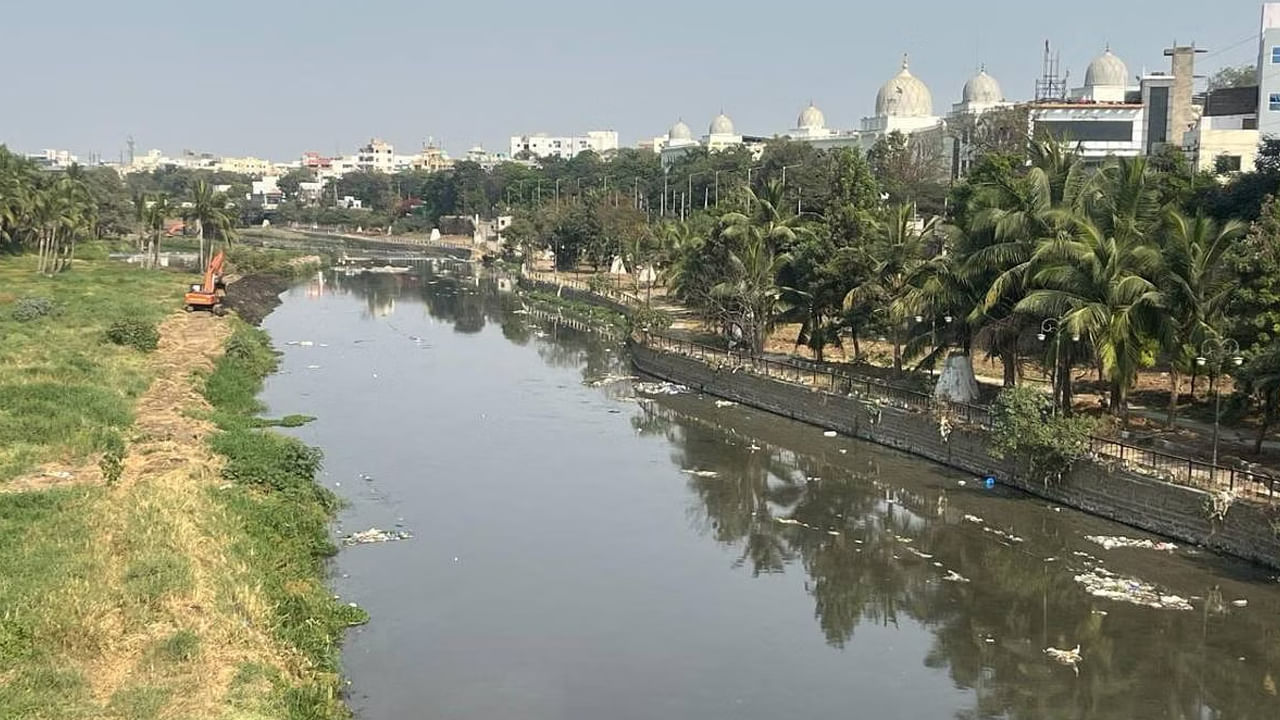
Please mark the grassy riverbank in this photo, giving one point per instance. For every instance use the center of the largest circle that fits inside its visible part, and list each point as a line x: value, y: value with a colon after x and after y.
x: 191, y: 585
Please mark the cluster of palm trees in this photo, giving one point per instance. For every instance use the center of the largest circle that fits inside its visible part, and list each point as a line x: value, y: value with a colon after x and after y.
x: 207, y: 209
x: 46, y: 214
x: 51, y: 212
x: 1091, y: 270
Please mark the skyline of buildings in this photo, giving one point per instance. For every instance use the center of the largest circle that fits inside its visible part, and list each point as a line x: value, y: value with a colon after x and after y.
x: 1113, y: 113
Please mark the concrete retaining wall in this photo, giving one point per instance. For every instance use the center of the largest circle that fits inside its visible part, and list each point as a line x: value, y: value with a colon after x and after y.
x: 1172, y: 510
x: 571, y: 293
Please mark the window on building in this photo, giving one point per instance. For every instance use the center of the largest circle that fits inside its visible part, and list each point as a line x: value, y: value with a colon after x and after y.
x: 1273, y: 102
x: 1226, y: 164
x: 1275, y: 54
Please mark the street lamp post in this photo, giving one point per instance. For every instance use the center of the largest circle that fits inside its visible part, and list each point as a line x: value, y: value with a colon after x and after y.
x: 1213, y: 352
x: 1049, y: 327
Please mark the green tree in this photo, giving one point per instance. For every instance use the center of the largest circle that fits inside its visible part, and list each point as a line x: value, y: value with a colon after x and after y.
x: 750, y: 296
x: 291, y: 182
x: 1234, y: 77
x: 209, y: 211
x: 1195, y: 289
x: 896, y: 251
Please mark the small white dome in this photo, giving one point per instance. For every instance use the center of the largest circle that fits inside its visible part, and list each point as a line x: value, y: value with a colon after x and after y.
x: 811, y: 118
x: 679, y: 131
x: 721, y: 125
x: 904, y: 96
x: 1107, y: 71
x: 982, y: 88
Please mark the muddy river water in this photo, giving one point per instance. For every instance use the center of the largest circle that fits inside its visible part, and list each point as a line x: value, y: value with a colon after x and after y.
x: 588, y: 547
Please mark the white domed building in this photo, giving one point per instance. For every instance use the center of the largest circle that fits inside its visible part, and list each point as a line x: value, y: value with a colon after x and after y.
x: 904, y: 104
x: 981, y: 93
x: 811, y: 124
x: 1105, y: 81
x: 721, y: 133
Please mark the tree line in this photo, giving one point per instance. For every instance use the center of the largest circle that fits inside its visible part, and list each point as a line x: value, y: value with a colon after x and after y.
x: 50, y: 212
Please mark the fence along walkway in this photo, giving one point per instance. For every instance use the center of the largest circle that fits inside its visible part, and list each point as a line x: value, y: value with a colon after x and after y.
x: 1247, y: 485
x: 1176, y: 469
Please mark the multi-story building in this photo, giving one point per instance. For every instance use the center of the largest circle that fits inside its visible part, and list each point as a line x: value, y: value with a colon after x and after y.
x: 377, y: 156
x: 432, y: 158
x: 544, y: 146
x: 1269, y: 72
x: 1226, y: 137
x: 53, y: 159
x: 245, y: 165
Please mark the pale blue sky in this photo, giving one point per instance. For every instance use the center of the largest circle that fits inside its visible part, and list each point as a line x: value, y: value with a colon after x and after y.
x: 275, y: 78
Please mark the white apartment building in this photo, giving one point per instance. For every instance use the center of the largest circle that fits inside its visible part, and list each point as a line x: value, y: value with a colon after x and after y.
x: 541, y: 145
x: 377, y: 156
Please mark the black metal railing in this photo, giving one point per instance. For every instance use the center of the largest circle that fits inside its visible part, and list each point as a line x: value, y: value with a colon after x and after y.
x: 1163, y: 466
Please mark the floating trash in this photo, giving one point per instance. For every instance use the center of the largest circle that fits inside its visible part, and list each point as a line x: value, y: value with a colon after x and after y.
x: 1003, y: 535
x: 374, y: 535
x: 1111, y: 542
x: 974, y: 519
x: 701, y: 473
x: 953, y: 576
x: 1099, y: 582
x: 660, y: 388
x: 725, y: 403
x: 917, y: 553
x: 609, y: 380
x: 830, y: 433
x: 1240, y: 603
x: 1070, y: 657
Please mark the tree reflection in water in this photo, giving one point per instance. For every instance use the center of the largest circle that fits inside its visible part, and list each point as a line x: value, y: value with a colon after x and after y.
x: 854, y: 543
x: 858, y: 527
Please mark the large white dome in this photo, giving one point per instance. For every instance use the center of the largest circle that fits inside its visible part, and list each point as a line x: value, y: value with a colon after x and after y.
x: 721, y: 125
x: 904, y: 96
x: 982, y: 88
x: 679, y: 131
x: 811, y: 118
x: 1107, y: 70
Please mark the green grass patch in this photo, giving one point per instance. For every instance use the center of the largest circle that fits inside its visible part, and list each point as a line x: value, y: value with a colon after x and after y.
x: 61, y: 382
x: 283, y: 517
x: 45, y: 536
x: 181, y: 646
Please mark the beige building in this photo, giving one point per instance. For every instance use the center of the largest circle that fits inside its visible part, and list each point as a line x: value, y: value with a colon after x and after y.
x: 1226, y: 137
x: 245, y: 165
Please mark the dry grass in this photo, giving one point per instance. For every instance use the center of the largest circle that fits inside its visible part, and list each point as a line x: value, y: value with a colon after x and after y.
x: 136, y: 564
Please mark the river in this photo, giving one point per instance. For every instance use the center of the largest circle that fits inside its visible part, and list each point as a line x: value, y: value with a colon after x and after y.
x: 579, y: 552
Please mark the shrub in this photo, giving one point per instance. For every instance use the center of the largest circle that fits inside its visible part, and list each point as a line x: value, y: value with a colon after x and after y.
x: 651, y: 319
x: 1027, y: 431
x: 112, y: 462
x: 135, y: 333
x: 33, y: 308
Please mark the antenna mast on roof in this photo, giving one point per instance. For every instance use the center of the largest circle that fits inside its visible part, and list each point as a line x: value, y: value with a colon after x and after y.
x: 1051, y: 86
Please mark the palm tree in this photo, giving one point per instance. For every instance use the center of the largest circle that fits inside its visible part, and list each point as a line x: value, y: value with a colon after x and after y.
x: 1195, y: 289
x: 769, y: 211
x: 157, y: 211
x: 208, y: 209
x: 1011, y: 215
x: 749, y: 296
x: 1105, y: 288
x: 897, y: 251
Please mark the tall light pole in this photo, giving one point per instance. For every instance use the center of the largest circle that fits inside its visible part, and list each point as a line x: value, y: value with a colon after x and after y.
x: 933, y: 331
x: 690, y: 182
x: 757, y: 167
x: 1213, y: 352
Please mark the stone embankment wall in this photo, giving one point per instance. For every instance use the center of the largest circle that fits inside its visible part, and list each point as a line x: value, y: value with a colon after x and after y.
x: 576, y: 294
x: 1095, y: 487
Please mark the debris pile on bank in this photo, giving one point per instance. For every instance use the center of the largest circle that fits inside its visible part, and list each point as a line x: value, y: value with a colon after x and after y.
x: 253, y: 297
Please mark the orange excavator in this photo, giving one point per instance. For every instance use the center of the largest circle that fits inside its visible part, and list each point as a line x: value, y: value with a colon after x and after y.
x: 209, y: 294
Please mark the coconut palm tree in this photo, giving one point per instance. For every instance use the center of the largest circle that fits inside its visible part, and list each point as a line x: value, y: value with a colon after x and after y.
x: 749, y: 296
x: 208, y: 209
x: 157, y: 211
x: 897, y: 250
x: 1010, y: 216
x: 1105, y: 288
x: 1195, y: 288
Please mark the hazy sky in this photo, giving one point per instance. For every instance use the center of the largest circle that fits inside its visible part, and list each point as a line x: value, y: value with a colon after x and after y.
x: 275, y: 78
